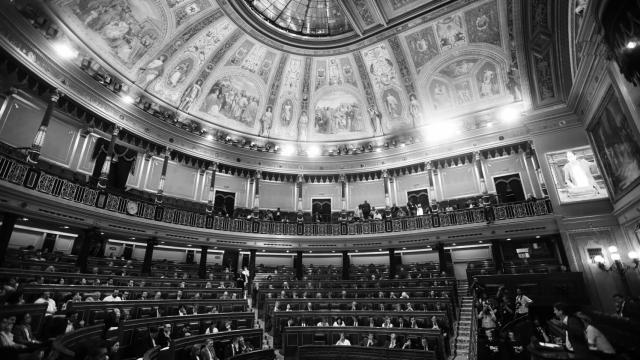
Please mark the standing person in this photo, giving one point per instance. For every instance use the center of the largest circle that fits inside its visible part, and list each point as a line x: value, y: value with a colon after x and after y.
x: 246, y: 276
x: 574, y: 336
x: 366, y: 210
x: 522, y: 303
x: 598, y: 343
x: 208, y: 352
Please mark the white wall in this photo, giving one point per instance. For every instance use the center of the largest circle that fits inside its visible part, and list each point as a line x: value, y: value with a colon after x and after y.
x: 359, y: 259
x: 25, y: 237
x: 274, y: 260
x: 419, y: 257
x: 324, y: 260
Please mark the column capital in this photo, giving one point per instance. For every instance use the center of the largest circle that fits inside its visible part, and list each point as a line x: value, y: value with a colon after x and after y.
x: 385, y: 173
x: 55, y: 95
x: 204, y: 247
x: 300, y: 178
x: 258, y: 174
x: 152, y: 241
x: 429, y: 165
x: 342, y: 177
x: 214, y: 166
x: 116, y: 130
x: 476, y: 155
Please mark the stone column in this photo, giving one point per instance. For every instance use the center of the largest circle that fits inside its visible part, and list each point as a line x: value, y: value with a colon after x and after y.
x: 252, y: 264
x: 202, y: 265
x: 343, y: 193
x: 256, y: 196
x: 387, y: 198
x: 148, y: 255
x: 298, y: 266
x: 33, y: 154
x: 346, y: 264
x: 442, y: 257
x: 496, y: 253
x: 106, y: 166
x: 299, y: 188
x: 392, y: 263
x: 430, y: 188
x: 86, y: 238
x: 8, y: 223
x: 477, y: 158
x: 212, y: 191
x: 531, y: 152
x: 163, y: 176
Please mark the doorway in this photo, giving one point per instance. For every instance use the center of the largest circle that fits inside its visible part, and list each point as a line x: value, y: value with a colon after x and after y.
x: 509, y: 188
x: 419, y: 197
x: 323, y: 208
x: 224, y: 202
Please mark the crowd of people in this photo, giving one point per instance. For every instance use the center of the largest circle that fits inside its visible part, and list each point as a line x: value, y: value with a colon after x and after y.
x: 508, y: 328
x: 367, y: 212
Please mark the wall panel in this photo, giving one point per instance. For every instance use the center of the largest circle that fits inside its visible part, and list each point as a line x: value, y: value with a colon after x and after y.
x: 60, y: 143
x: 20, y: 122
x: 359, y: 191
x: 228, y: 183
x: 323, y: 191
x: 407, y: 183
x: 274, y: 260
x: 181, y: 181
x: 419, y: 257
x: 459, y: 181
x: 316, y: 260
x: 507, y: 165
x: 277, y: 195
x: 376, y: 259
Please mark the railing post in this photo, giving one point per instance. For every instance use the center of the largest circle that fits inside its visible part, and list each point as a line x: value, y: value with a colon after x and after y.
x: 33, y: 154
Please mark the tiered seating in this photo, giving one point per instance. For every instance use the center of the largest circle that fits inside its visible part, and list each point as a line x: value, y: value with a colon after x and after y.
x: 293, y: 308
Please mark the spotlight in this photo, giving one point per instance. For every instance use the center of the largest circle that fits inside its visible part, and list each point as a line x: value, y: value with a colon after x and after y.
x: 313, y: 151
x: 613, y: 249
x: 631, y: 44
x: 288, y: 150
x: 127, y: 99
x: 65, y: 50
x: 509, y: 114
x: 209, y: 137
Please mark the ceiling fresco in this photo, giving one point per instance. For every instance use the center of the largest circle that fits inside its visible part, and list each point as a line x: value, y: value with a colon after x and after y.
x: 192, y: 56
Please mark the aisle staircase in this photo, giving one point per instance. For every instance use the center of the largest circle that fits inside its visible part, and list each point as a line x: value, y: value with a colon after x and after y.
x: 463, y: 330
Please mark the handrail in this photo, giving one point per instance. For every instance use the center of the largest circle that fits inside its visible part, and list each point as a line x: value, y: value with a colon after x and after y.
x: 473, y: 332
x: 20, y: 173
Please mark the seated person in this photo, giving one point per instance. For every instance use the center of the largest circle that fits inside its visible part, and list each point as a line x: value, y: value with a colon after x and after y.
x: 343, y: 340
x: 391, y: 343
x: 369, y: 341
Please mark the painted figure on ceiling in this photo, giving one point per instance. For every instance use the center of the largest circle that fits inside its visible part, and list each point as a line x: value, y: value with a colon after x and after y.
x: 266, y: 121
x: 414, y: 110
x: 303, y: 126
x: 190, y: 95
x: 152, y: 71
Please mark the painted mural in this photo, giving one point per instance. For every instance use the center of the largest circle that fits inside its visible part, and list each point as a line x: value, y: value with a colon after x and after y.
x: 450, y: 32
x: 172, y: 81
x: 234, y: 97
x: 189, y: 10
x: 340, y: 113
x: 288, y: 105
x: 126, y: 29
x: 422, y: 46
x: 483, y: 24
x: 392, y: 99
x: 466, y: 81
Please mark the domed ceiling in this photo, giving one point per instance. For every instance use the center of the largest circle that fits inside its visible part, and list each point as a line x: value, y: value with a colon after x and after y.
x: 453, y: 59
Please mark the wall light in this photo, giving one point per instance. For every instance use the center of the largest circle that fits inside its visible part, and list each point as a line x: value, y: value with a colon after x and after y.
x: 509, y: 114
x: 313, y: 151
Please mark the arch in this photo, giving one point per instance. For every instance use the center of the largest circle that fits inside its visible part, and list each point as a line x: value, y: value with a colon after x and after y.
x: 462, y: 71
x: 213, y: 105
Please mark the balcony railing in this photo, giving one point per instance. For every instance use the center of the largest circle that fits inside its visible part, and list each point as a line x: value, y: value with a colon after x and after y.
x: 17, y: 172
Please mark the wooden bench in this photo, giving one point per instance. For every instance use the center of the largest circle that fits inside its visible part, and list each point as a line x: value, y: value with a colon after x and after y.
x: 295, y: 337
x: 94, y: 312
x: 59, y: 292
x: 181, y: 348
x: 132, y: 334
x: 423, y: 318
x: 25, y: 275
x: 334, y: 352
x: 419, y: 304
